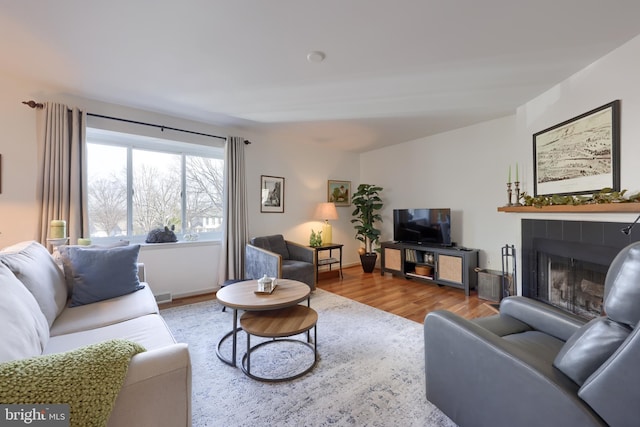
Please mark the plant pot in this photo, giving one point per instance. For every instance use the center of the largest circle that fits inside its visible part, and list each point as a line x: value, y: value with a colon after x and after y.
x: 368, y: 261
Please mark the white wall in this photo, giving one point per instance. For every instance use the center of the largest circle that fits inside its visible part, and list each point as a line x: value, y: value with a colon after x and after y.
x: 466, y: 169
x: 182, y: 269
x: 18, y: 207
x: 306, y: 171
x: 463, y: 169
x: 185, y: 268
x: 614, y: 76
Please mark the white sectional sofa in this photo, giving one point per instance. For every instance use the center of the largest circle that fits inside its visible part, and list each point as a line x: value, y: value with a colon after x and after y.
x: 38, y: 319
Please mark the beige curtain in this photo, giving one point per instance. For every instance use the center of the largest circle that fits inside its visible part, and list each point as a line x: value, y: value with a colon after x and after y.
x: 235, y: 232
x: 62, y: 176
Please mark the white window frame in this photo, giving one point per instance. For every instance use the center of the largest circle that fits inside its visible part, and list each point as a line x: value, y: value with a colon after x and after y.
x: 131, y: 142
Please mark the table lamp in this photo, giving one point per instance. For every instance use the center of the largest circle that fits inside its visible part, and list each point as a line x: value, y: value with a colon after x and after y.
x: 326, y: 211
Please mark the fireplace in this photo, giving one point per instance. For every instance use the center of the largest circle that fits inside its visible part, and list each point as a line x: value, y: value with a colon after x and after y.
x: 570, y: 284
x: 564, y: 263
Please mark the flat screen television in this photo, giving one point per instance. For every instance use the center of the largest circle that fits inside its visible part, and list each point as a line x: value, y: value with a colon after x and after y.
x: 422, y: 226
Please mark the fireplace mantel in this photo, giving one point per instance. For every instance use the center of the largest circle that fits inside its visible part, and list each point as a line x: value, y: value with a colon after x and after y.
x: 592, y: 208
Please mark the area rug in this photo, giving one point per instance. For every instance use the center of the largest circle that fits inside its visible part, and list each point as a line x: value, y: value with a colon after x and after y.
x: 370, y: 370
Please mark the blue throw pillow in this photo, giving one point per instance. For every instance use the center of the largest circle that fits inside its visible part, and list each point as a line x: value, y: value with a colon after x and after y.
x: 100, y: 274
x: 66, y: 262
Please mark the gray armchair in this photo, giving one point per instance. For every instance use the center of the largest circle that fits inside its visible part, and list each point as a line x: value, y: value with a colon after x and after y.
x: 534, y: 365
x: 277, y: 257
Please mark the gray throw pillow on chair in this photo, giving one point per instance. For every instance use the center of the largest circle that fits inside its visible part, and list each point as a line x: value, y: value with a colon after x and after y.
x: 590, y: 347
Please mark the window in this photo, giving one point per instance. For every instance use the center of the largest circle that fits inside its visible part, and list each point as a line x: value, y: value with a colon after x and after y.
x: 136, y: 184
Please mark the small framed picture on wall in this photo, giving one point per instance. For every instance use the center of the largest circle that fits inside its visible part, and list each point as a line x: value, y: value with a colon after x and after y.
x: 271, y: 194
x: 339, y: 192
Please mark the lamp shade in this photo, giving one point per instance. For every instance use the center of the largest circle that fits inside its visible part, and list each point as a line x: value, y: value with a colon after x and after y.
x: 326, y: 211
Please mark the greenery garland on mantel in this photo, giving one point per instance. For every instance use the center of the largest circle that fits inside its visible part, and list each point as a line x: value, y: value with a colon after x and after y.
x: 606, y: 195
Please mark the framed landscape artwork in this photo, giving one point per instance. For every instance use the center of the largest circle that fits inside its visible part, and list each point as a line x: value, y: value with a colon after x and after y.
x: 580, y: 155
x: 339, y: 192
x: 271, y: 194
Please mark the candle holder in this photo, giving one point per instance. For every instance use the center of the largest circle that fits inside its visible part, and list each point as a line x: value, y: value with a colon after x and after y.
x: 55, y: 243
x: 509, y: 194
x: 517, y: 203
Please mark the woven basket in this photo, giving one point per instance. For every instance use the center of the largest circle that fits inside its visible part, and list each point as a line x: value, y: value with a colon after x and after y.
x: 423, y: 270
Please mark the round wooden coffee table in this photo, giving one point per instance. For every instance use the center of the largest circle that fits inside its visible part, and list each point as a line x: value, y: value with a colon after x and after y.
x: 243, y: 296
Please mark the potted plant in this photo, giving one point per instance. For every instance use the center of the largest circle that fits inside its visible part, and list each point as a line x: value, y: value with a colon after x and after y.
x: 367, y: 203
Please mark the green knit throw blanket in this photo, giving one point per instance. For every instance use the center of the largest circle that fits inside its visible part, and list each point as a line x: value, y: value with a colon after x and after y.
x: 88, y: 379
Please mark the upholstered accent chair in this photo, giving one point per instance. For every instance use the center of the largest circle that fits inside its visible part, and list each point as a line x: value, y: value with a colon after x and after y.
x: 277, y: 257
x: 534, y: 365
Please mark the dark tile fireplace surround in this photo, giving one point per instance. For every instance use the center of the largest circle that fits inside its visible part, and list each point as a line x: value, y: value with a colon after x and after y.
x: 564, y: 262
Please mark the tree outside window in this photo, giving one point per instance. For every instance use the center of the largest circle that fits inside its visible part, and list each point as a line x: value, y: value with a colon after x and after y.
x: 160, y: 188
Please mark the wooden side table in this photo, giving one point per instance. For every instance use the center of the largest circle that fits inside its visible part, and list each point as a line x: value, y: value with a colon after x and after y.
x: 331, y: 260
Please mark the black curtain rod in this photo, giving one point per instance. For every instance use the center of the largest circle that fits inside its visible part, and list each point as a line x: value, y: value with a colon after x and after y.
x: 34, y: 104
x: 161, y: 127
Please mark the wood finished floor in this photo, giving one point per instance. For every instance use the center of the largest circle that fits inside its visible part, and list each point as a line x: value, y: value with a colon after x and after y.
x: 410, y: 299
x: 407, y: 298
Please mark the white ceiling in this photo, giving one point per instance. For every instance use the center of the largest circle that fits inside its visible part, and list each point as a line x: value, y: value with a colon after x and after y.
x: 394, y: 70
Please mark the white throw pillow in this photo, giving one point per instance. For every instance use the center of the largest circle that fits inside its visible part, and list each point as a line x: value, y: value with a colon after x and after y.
x: 36, y: 269
x: 24, y: 331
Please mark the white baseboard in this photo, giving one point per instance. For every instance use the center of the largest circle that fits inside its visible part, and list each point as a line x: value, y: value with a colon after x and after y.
x: 197, y: 292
